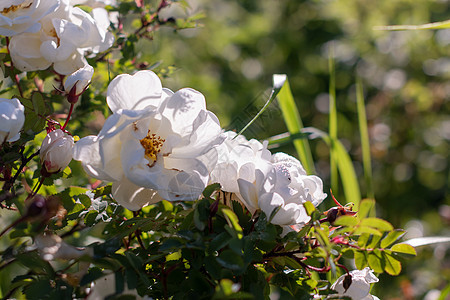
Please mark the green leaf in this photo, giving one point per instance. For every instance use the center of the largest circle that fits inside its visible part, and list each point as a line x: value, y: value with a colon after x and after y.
x: 294, y: 124
x: 345, y: 166
x: 364, y: 208
x: 365, y: 229
x: 346, y: 221
x: 38, y: 104
x: 435, y: 25
x: 404, y: 249
x: 361, y: 259
x: 391, y: 237
x: 210, y: 189
x: 376, y: 261
x: 278, y: 81
x: 363, y: 239
x: 365, y: 144
x: 332, y: 122
x: 228, y: 259
x: 444, y: 293
x: 374, y: 241
x: 392, y: 266
x: 233, y: 222
x: 377, y: 223
x: 309, y: 207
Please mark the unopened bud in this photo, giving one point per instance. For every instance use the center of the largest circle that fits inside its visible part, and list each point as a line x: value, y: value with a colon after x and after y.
x: 77, y: 82
x: 56, y: 151
x: 347, y: 282
x: 37, y: 207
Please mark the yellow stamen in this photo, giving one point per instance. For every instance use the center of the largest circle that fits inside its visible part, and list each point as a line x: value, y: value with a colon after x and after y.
x: 14, y: 8
x: 152, y: 145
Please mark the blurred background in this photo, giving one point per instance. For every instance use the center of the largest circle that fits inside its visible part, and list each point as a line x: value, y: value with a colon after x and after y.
x: 231, y: 56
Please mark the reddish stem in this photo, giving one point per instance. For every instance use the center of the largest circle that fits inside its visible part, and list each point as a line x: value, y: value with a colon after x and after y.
x: 68, y: 116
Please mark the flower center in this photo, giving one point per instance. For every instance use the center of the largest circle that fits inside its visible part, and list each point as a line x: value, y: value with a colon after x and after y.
x: 14, y: 8
x: 152, y: 144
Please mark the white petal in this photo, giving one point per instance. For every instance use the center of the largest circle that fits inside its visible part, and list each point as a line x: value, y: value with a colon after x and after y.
x: 87, y: 151
x: 249, y: 194
x: 134, y: 92
x: 133, y: 197
x: 182, y: 109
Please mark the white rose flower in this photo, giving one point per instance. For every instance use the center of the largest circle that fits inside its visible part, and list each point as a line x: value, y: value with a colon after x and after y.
x: 360, y: 285
x: 65, y: 37
x: 12, y: 118
x: 232, y: 155
x: 284, y: 188
x: 52, y: 247
x: 18, y: 16
x: 154, y: 140
x: 56, y: 151
x: 80, y: 79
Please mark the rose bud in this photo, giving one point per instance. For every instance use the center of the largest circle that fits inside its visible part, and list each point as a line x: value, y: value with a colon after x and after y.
x: 12, y: 118
x: 56, y: 151
x: 78, y: 82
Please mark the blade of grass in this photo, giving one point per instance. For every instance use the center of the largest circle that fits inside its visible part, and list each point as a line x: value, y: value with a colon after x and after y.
x: 294, y: 124
x: 278, y: 140
x: 278, y: 81
x: 435, y: 25
x: 362, y: 119
x: 332, y: 130
x: 344, y: 164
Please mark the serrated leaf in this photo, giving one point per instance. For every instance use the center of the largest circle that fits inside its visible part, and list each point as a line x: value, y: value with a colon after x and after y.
x: 376, y: 261
x: 377, y: 223
x: 233, y: 222
x: 374, y: 242
x: 38, y: 104
x: 228, y: 259
x: 392, y: 266
x: 365, y: 229
x: 89, y: 220
x: 364, y: 208
x: 360, y: 259
x: 404, y: 249
x: 346, y: 221
x: 391, y: 237
x: 210, y: 189
x: 363, y: 239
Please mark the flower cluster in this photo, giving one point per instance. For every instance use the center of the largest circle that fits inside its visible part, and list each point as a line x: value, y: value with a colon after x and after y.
x: 164, y: 145
x: 53, y: 32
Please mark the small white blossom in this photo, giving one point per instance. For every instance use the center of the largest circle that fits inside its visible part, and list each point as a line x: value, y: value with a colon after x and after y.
x: 150, y: 148
x: 233, y: 153
x: 360, y: 285
x: 56, y: 151
x: 19, y: 16
x: 52, y: 247
x: 65, y: 37
x: 80, y: 78
x: 12, y: 118
x: 285, y: 187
